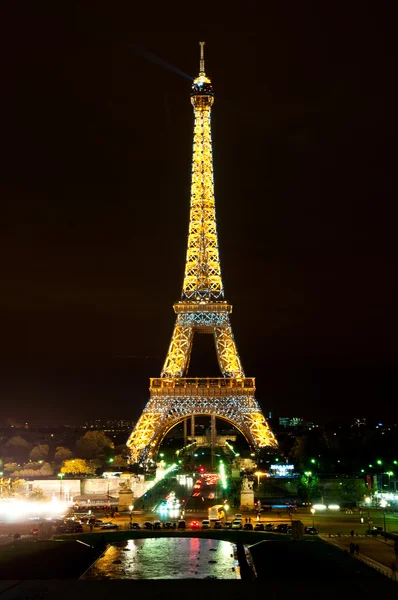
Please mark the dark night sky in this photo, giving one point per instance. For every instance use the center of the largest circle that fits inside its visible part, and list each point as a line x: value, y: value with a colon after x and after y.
x: 95, y: 176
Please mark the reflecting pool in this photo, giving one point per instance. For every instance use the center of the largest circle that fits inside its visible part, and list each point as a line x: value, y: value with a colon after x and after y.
x: 166, y: 558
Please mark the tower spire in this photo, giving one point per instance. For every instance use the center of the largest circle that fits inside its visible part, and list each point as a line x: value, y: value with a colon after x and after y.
x: 202, y: 58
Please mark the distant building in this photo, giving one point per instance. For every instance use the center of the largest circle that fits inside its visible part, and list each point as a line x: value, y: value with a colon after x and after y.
x: 290, y: 421
x: 311, y: 425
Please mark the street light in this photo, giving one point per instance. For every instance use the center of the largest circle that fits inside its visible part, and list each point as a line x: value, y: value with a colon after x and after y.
x: 258, y: 474
x: 313, y: 513
x: 389, y: 473
x: 383, y: 505
x: 60, y: 475
x: 368, y: 501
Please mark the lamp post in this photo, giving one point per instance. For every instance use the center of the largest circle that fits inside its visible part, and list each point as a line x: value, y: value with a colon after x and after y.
x: 383, y: 505
x: 308, y: 475
x: 258, y: 475
x: 60, y: 475
x: 368, y: 501
x: 313, y: 517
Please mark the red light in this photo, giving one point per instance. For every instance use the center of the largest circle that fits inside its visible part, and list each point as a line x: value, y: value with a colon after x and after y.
x: 202, y: 469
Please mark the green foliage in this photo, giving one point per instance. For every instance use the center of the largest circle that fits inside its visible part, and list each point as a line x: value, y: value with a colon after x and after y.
x: 123, y: 451
x: 39, y: 452
x: 11, y: 467
x: 16, y: 447
x: 352, y: 490
x: 34, y: 469
x: 308, y: 487
x: 37, y: 495
x: 94, y: 444
x: 10, y: 488
x: 119, y: 461
x: 77, y: 466
x: 62, y: 453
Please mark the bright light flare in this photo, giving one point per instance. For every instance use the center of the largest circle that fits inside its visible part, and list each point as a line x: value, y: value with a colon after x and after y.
x: 14, y: 509
x: 223, y: 476
x: 319, y: 506
x: 334, y: 507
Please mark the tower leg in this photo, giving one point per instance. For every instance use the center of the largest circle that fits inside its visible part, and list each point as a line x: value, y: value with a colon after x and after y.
x: 193, y: 436
x: 213, y: 439
x: 185, y: 432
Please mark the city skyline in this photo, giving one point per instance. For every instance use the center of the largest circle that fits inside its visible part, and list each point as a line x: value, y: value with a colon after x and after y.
x: 303, y: 147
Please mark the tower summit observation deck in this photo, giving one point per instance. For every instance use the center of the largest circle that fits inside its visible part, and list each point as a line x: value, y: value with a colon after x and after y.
x: 174, y: 396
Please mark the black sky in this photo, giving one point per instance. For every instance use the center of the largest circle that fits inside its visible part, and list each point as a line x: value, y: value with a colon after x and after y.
x: 95, y: 176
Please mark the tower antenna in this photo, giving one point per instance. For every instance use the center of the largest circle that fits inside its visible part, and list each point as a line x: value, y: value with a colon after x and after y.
x: 202, y: 58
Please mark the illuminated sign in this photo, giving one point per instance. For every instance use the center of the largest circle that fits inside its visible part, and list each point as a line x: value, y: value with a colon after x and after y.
x: 282, y: 470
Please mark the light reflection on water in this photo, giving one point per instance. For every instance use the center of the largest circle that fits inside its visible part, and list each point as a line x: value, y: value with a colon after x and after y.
x: 166, y: 558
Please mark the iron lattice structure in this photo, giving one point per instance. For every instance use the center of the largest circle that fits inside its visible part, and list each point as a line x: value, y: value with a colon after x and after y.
x: 202, y: 309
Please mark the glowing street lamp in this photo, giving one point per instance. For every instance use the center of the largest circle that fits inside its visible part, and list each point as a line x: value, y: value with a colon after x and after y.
x: 368, y: 501
x: 258, y: 474
x: 60, y: 475
x: 313, y: 513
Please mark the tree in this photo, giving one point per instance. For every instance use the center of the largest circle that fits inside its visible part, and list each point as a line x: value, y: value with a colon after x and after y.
x: 9, y: 488
x: 37, y: 495
x: 62, y: 453
x: 35, y: 469
x: 39, y: 452
x: 352, y: 490
x: 11, y: 467
x: 123, y: 451
x: 17, y: 447
x: 77, y: 466
x: 119, y: 461
x: 94, y: 444
x: 308, y: 487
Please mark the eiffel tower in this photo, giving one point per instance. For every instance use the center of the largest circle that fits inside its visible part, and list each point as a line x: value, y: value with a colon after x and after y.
x: 175, y: 397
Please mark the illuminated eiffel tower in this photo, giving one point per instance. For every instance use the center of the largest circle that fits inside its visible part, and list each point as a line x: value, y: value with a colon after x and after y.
x: 174, y: 397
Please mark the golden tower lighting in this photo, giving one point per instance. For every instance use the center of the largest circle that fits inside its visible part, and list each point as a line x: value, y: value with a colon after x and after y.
x: 202, y: 309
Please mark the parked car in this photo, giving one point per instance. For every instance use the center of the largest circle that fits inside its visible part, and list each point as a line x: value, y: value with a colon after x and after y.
x: 281, y: 528
x: 310, y: 530
x: 98, y: 523
x: 238, y: 516
x: 168, y: 525
x: 69, y: 527
x: 157, y: 525
x: 135, y: 526
x: 259, y: 527
x: 110, y: 525
x: 227, y: 524
x: 194, y: 525
x: 181, y: 524
x: 248, y: 527
x: 237, y: 524
x: 269, y: 527
x: 217, y: 525
x: 205, y: 524
x: 148, y: 525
